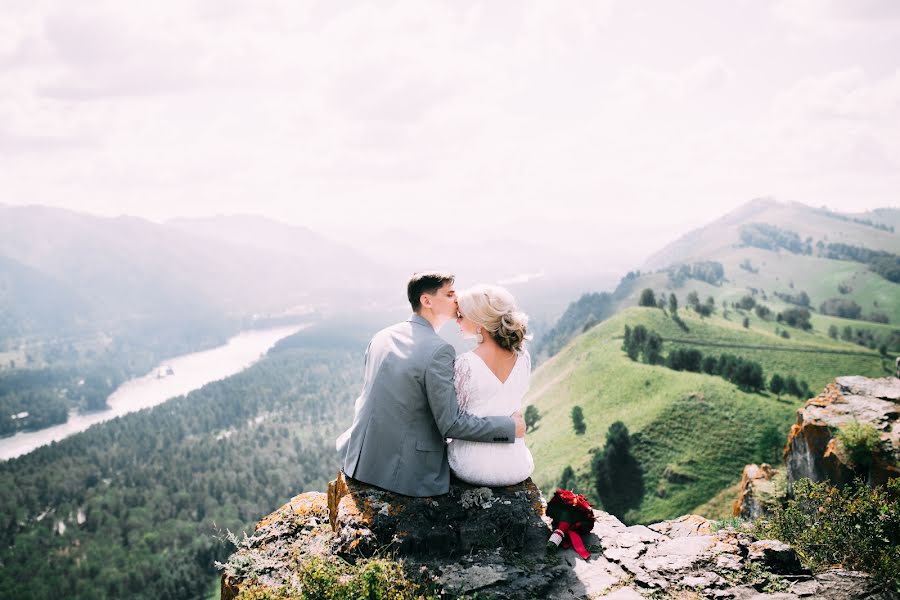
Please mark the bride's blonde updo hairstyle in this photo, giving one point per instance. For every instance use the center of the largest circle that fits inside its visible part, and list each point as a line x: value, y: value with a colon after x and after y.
x: 495, y: 310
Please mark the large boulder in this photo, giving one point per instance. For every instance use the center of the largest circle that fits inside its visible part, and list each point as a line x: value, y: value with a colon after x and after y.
x: 812, y: 451
x: 365, y: 519
x: 491, y: 542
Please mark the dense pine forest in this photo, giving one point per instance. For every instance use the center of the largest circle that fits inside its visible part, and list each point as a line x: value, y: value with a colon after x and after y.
x: 139, y: 507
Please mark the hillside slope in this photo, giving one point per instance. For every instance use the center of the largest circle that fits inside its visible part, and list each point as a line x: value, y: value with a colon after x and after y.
x: 780, y: 270
x: 779, y: 253
x: 723, y: 234
x: 694, y: 431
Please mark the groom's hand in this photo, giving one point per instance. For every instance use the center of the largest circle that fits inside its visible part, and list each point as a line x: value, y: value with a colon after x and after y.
x: 520, y: 424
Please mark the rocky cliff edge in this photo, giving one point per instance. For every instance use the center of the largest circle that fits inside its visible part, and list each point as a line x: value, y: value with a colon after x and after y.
x: 812, y: 450
x: 492, y: 543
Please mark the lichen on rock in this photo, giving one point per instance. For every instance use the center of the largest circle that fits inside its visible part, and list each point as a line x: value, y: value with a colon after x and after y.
x: 477, y: 497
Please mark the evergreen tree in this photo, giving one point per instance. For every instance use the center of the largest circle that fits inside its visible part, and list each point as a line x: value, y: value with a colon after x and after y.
x: 750, y: 375
x: 673, y: 304
x: 693, y: 300
x: 652, y: 350
x: 618, y: 476
x: 578, y: 420
x: 685, y: 359
x: 776, y: 384
x: 648, y: 298
x: 728, y: 366
x: 792, y: 387
x: 638, y: 339
x: 532, y: 416
x: 567, y: 481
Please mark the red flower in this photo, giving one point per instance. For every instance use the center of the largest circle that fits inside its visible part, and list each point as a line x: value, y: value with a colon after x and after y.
x: 571, y: 508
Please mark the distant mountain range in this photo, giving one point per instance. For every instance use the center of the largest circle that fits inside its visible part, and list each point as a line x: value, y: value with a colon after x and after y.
x: 63, y: 272
x: 62, y: 269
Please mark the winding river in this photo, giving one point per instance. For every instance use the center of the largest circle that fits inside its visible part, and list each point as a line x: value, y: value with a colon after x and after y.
x: 189, y: 372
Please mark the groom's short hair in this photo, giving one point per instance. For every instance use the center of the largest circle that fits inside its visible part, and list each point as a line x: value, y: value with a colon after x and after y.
x: 425, y: 282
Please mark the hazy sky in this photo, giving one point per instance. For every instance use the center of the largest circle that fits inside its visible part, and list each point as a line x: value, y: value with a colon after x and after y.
x: 518, y: 118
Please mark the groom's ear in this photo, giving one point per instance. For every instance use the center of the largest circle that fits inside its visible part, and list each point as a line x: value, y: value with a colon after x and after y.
x: 425, y: 300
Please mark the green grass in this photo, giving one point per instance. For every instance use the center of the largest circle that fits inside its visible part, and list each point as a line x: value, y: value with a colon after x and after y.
x: 720, y: 507
x: 698, y: 425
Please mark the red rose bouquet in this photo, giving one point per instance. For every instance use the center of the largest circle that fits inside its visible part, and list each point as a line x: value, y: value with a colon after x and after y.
x: 572, y: 517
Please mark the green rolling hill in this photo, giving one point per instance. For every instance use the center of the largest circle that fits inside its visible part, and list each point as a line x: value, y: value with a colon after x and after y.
x: 695, y: 432
x: 779, y: 270
x: 809, y: 258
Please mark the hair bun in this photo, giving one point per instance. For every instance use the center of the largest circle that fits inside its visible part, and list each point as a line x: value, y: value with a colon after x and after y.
x: 494, y: 308
x: 513, y: 330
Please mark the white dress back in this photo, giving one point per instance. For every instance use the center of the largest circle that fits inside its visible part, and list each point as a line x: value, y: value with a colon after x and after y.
x: 480, y: 393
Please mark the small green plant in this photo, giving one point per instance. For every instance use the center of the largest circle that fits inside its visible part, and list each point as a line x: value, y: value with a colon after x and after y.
x: 759, y: 577
x: 374, y: 579
x: 736, y: 522
x: 859, y: 442
x: 856, y: 526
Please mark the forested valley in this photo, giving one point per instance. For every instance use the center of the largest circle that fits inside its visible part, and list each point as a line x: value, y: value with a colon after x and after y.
x: 139, y: 507
x: 78, y: 370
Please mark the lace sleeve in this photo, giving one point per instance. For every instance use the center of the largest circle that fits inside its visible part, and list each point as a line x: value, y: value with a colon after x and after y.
x: 462, y: 381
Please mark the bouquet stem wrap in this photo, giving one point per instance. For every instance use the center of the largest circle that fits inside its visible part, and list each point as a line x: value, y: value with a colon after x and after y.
x: 571, y: 539
x: 572, y: 517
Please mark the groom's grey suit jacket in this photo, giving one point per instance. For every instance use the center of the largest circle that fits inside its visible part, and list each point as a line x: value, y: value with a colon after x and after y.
x: 407, y: 407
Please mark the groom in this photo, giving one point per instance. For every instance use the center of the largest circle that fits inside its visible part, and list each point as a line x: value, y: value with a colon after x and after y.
x: 408, y: 404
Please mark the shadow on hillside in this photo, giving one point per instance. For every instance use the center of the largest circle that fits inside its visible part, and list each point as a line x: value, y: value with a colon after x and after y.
x: 681, y: 324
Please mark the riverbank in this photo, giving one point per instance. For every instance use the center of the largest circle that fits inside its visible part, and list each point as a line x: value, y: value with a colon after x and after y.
x: 189, y: 372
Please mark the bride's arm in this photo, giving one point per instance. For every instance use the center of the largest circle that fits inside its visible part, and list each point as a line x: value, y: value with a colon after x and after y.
x: 462, y: 381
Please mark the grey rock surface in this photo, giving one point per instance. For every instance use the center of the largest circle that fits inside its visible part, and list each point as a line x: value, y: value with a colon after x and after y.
x: 682, y: 558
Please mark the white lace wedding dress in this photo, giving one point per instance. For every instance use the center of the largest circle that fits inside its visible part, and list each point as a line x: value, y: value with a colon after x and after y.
x: 480, y: 393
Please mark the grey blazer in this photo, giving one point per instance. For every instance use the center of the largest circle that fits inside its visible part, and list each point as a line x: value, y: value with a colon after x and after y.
x: 407, y: 407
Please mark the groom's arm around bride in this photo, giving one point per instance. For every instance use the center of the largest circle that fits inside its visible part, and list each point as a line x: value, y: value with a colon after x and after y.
x: 408, y: 405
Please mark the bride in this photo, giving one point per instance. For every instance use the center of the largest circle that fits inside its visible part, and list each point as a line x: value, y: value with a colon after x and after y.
x: 491, y: 380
